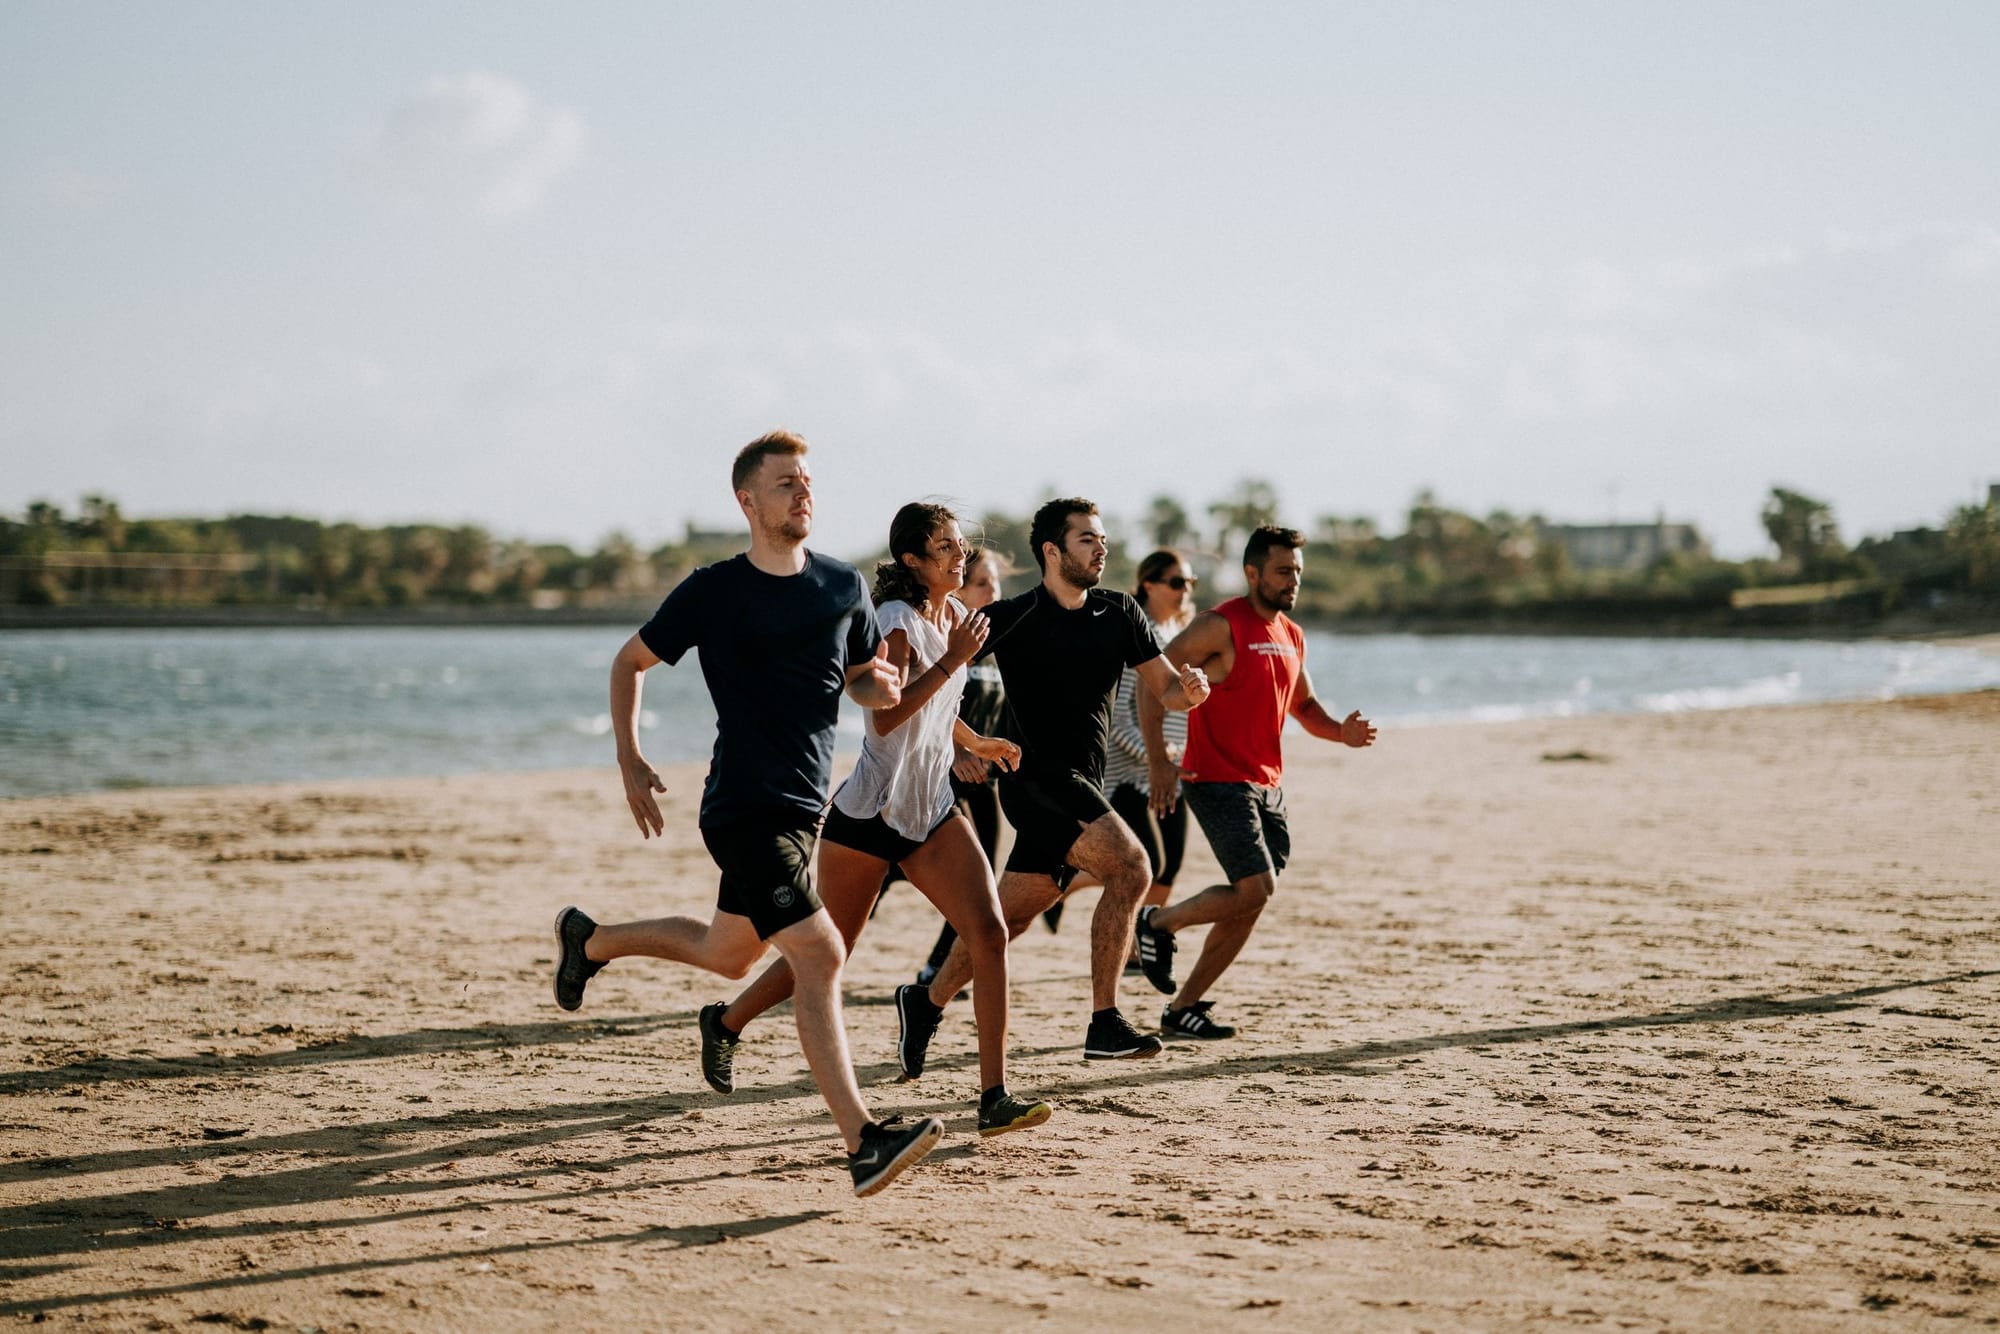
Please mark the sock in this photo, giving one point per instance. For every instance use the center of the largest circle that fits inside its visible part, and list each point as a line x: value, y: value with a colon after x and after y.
x: 1096, y: 1015
x: 991, y: 1096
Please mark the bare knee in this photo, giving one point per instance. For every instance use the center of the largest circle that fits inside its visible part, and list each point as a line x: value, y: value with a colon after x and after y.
x: 1252, y: 895
x: 815, y: 958
x: 986, y: 935
x: 1129, y: 876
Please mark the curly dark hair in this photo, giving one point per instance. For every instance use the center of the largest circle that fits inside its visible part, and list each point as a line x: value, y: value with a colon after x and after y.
x: 910, y: 534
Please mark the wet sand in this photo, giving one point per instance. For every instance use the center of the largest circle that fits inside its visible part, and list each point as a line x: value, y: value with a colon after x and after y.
x: 1627, y: 1023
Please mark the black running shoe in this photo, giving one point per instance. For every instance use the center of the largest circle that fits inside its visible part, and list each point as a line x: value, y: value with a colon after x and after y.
x: 718, y: 1048
x: 573, y: 967
x: 1008, y: 1112
x: 1192, y: 1021
x: 1112, y: 1039
x: 917, y: 1020
x: 1156, y: 951
x: 890, y: 1147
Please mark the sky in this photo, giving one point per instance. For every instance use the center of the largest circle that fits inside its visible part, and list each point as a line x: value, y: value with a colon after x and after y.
x: 545, y: 268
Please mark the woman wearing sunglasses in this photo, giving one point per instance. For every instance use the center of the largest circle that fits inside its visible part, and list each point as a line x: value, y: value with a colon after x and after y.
x: 1166, y: 588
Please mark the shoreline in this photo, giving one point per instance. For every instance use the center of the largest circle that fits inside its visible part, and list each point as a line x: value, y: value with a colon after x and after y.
x: 844, y: 758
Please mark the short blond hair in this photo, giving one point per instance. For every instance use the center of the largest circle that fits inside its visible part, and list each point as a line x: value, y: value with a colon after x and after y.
x: 751, y: 457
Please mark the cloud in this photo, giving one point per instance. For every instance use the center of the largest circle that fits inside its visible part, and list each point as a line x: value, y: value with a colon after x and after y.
x: 70, y: 190
x: 474, y: 142
x: 1974, y: 257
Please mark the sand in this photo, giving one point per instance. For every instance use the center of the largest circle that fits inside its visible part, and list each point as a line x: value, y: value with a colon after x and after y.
x: 1627, y: 1023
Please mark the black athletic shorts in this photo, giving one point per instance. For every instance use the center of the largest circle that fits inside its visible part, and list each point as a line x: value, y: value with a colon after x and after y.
x: 1244, y: 824
x: 1047, y: 815
x: 873, y: 836
x: 766, y: 865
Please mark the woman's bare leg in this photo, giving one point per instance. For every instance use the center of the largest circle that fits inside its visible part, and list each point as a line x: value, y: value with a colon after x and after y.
x: 954, y: 874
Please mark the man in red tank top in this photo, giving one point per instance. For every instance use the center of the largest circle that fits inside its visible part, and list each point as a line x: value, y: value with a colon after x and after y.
x: 1255, y: 659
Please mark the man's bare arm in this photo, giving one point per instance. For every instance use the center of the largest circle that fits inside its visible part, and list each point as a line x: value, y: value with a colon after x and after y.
x: 1179, y: 692
x: 876, y: 683
x: 1353, y: 730
x: 1200, y: 644
x: 628, y: 675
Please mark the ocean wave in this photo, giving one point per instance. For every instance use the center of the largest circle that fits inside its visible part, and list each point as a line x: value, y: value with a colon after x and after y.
x: 1780, y: 689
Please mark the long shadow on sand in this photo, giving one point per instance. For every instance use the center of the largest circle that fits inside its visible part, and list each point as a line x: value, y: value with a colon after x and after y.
x: 676, y: 1238
x: 361, y: 1047
x: 362, y: 1166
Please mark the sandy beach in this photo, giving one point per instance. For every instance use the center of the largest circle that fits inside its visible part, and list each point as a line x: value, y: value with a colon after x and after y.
x: 1641, y: 1022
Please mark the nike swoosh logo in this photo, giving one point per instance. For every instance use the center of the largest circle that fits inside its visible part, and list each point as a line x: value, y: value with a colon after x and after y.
x: 1097, y: 611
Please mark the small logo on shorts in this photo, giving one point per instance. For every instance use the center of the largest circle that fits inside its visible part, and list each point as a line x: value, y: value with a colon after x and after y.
x: 782, y: 896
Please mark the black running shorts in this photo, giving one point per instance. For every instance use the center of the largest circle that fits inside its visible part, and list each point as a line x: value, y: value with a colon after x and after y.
x: 1047, y: 815
x: 873, y: 836
x: 766, y: 865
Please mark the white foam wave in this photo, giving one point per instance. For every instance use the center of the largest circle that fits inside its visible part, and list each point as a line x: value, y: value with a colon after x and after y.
x: 1781, y: 689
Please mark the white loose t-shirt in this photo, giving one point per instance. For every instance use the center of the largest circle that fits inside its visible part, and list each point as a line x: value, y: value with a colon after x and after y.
x: 905, y: 777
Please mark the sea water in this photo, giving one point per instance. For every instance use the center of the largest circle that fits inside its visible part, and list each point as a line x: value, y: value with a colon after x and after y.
x: 84, y: 710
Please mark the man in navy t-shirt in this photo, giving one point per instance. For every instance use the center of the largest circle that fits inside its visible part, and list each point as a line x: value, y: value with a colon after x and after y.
x: 781, y: 634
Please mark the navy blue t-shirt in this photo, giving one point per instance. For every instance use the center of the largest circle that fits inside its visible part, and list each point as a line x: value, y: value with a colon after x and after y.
x: 774, y: 650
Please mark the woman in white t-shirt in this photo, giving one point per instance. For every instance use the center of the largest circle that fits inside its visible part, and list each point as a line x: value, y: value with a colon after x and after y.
x: 897, y: 807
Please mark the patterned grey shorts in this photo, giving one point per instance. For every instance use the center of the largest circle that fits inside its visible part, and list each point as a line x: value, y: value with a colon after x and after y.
x: 1244, y: 824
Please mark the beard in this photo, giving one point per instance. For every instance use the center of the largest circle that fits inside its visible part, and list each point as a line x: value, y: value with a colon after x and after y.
x: 788, y: 527
x: 1077, y: 574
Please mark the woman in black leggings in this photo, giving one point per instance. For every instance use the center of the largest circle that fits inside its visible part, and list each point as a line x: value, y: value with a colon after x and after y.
x: 1166, y: 588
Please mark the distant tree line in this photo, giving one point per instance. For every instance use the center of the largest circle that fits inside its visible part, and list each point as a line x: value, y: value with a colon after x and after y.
x: 98, y: 554
x: 1445, y: 563
x: 1453, y: 564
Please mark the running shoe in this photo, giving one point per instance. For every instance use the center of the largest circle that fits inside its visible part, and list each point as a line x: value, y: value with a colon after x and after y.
x: 1008, y: 1112
x: 1112, y: 1039
x: 917, y: 1021
x: 1192, y: 1021
x: 1156, y: 951
x: 888, y: 1148
x: 573, y: 966
x: 718, y: 1048
x: 1052, y: 915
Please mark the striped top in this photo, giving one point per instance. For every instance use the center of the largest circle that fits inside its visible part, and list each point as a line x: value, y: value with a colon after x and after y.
x: 1125, y: 756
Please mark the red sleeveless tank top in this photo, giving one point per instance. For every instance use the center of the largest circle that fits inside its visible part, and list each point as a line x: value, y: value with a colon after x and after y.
x: 1233, y: 735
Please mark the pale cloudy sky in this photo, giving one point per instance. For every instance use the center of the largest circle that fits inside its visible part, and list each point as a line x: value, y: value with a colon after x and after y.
x: 545, y: 267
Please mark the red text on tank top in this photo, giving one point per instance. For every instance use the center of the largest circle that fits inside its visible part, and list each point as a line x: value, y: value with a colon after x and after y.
x: 1233, y: 735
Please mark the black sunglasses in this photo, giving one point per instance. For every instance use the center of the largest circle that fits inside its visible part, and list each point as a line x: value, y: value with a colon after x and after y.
x: 1179, y: 582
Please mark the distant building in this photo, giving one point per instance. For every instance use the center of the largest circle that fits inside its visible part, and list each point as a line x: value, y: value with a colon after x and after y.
x: 733, y: 538
x: 1623, y: 546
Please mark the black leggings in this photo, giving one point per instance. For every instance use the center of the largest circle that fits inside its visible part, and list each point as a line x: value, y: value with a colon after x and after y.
x: 981, y: 804
x: 1165, y: 840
